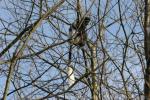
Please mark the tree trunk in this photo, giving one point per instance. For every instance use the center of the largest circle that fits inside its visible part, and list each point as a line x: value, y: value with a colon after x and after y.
x: 94, y: 89
x: 147, y: 49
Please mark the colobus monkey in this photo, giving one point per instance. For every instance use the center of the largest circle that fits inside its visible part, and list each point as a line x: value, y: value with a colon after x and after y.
x: 78, y: 33
x: 78, y: 37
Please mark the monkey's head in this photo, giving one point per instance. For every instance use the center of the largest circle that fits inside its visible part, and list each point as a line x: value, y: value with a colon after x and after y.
x: 84, y: 24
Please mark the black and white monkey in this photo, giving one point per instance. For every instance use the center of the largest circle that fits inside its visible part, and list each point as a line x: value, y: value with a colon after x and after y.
x: 78, y: 36
x: 77, y: 32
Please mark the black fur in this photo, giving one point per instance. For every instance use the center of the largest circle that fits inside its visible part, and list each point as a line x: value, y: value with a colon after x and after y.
x: 78, y: 32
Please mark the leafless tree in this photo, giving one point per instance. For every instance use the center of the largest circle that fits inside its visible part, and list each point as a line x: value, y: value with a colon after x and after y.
x: 74, y: 49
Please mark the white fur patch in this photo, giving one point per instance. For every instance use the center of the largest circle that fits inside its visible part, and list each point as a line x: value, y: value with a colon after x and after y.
x: 71, y: 78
